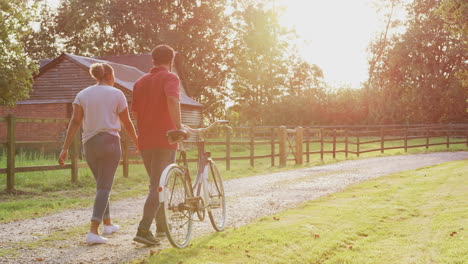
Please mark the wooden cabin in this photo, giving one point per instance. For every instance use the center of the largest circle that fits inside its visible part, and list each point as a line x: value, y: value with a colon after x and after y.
x: 60, y: 79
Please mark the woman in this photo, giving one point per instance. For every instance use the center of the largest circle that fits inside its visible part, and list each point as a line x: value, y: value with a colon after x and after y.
x: 100, y: 108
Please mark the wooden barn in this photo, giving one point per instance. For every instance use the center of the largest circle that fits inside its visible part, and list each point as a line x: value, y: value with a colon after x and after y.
x: 60, y: 79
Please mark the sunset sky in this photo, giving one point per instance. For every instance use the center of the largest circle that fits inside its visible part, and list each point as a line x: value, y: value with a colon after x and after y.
x: 333, y: 34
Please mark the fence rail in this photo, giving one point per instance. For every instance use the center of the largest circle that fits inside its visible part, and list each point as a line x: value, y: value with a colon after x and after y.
x: 286, y: 143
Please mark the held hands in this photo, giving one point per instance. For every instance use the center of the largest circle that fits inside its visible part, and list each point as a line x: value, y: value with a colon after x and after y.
x: 62, y: 157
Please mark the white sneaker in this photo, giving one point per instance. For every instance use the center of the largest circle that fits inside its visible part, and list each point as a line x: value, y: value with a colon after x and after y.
x: 95, y: 239
x: 107, y: 230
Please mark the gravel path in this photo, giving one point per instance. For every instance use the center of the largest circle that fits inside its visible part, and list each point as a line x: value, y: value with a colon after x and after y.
x: 247, y: 199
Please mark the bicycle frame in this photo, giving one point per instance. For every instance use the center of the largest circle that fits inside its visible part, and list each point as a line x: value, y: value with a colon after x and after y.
x: 201, y: 180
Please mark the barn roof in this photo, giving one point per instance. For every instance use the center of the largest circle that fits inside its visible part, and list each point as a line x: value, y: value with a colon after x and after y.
x: 125, y: 76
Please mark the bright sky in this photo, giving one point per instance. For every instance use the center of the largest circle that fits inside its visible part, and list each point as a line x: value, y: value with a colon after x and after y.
x: 333, y: 34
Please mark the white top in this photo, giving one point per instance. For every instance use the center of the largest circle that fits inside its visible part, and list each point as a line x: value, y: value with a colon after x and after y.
x: 101, y: 107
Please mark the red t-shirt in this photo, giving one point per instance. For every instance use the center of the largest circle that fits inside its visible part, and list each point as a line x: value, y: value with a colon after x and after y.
x: 149, y: 101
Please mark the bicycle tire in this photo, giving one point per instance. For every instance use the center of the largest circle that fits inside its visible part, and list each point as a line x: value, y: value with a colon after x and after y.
x: 177, y: 215
x: 217, y: 203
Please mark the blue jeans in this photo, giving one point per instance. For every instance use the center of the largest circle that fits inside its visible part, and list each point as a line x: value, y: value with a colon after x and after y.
x: 155, y: 160
x: 103, y: 157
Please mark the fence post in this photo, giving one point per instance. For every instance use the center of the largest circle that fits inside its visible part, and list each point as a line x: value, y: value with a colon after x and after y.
x: 11, y: 153
x: 357, y: 144
x: 252, y: 147
x: 466, y: 137
x: 406, y: 138
x: 334, y: 143
x: 382, y: 140
x: 308, y: 143
x: 299, y: 138
x: 282, y: 134
x: 427, y: 138
x: 273, y: 147
x: 125, y: 155
x: 346, y: 143
x: 448, y: 137
x: 228, y: 148
x: 74, y: 156
x: 321, y: 143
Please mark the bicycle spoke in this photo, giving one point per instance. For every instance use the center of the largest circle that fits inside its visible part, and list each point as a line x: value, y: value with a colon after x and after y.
x: 217, y: 203
x: 177, y: 212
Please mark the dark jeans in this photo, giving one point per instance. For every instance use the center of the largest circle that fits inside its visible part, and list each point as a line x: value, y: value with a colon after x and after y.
x: 155, y: 160
x: 103, y: 156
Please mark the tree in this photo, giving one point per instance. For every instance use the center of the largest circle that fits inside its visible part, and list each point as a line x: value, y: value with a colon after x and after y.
x: 198, y: 30
x: 345, y: 106
x: 378, y: 48
x: 261, y: 67
x: 420, y: 76
x: 42, y: 42
x: 303, y: 76
x: 16, y: 69
x: 455, y: 15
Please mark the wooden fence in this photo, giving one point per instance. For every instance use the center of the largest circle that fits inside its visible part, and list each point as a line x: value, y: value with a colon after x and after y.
x: 285, y: 143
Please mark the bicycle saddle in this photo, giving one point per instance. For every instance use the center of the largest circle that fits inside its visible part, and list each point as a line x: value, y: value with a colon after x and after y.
x: 177, y: 135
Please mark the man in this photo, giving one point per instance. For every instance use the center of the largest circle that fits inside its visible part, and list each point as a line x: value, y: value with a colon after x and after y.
x: 156, y: 106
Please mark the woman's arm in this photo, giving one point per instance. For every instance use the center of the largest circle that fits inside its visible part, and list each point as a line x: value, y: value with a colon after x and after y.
x: 74, y: 125
x: 124, y: 117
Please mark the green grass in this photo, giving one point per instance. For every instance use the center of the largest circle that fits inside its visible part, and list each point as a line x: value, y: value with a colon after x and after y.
x: 406, y: 217
x: 51, y: 191
x: 48, y: 192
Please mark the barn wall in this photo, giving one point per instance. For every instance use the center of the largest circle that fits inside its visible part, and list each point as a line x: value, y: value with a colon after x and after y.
x: 36, y: 131
x: 61, y: 82
x: 191, y: 116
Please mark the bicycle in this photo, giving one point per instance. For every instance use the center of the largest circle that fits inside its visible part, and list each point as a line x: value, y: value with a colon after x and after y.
x: 180, y: 200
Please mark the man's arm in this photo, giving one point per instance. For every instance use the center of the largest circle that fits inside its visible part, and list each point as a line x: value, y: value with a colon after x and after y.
x: 75, y: 123
x: 173, y: 103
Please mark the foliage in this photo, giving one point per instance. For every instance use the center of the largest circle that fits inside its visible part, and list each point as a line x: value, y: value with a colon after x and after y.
x: 16, y: 68
x: 237, y: 54
x: 269, y: 76
x: 42, y: 43
x: 455, y: 15
x: 261, y: 61
x: 421, y: 76
x: 197, y: 30
x: 345, y: 106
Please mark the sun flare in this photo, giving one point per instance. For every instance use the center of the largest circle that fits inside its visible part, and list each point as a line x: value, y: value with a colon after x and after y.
x: 334, y: 34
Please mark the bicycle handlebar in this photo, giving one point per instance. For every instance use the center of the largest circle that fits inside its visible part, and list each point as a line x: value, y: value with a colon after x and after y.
x: 198, y: 130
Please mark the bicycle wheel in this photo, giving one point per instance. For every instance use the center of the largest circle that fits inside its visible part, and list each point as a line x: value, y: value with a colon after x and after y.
x: 217, y: 202
x: 177, y: 212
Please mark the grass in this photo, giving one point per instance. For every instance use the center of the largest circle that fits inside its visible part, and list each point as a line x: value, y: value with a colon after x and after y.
x: 46, y: 192
x: 415, y: 217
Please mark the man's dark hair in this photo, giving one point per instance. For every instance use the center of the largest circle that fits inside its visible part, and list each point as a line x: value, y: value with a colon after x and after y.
x: 162, y: 54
